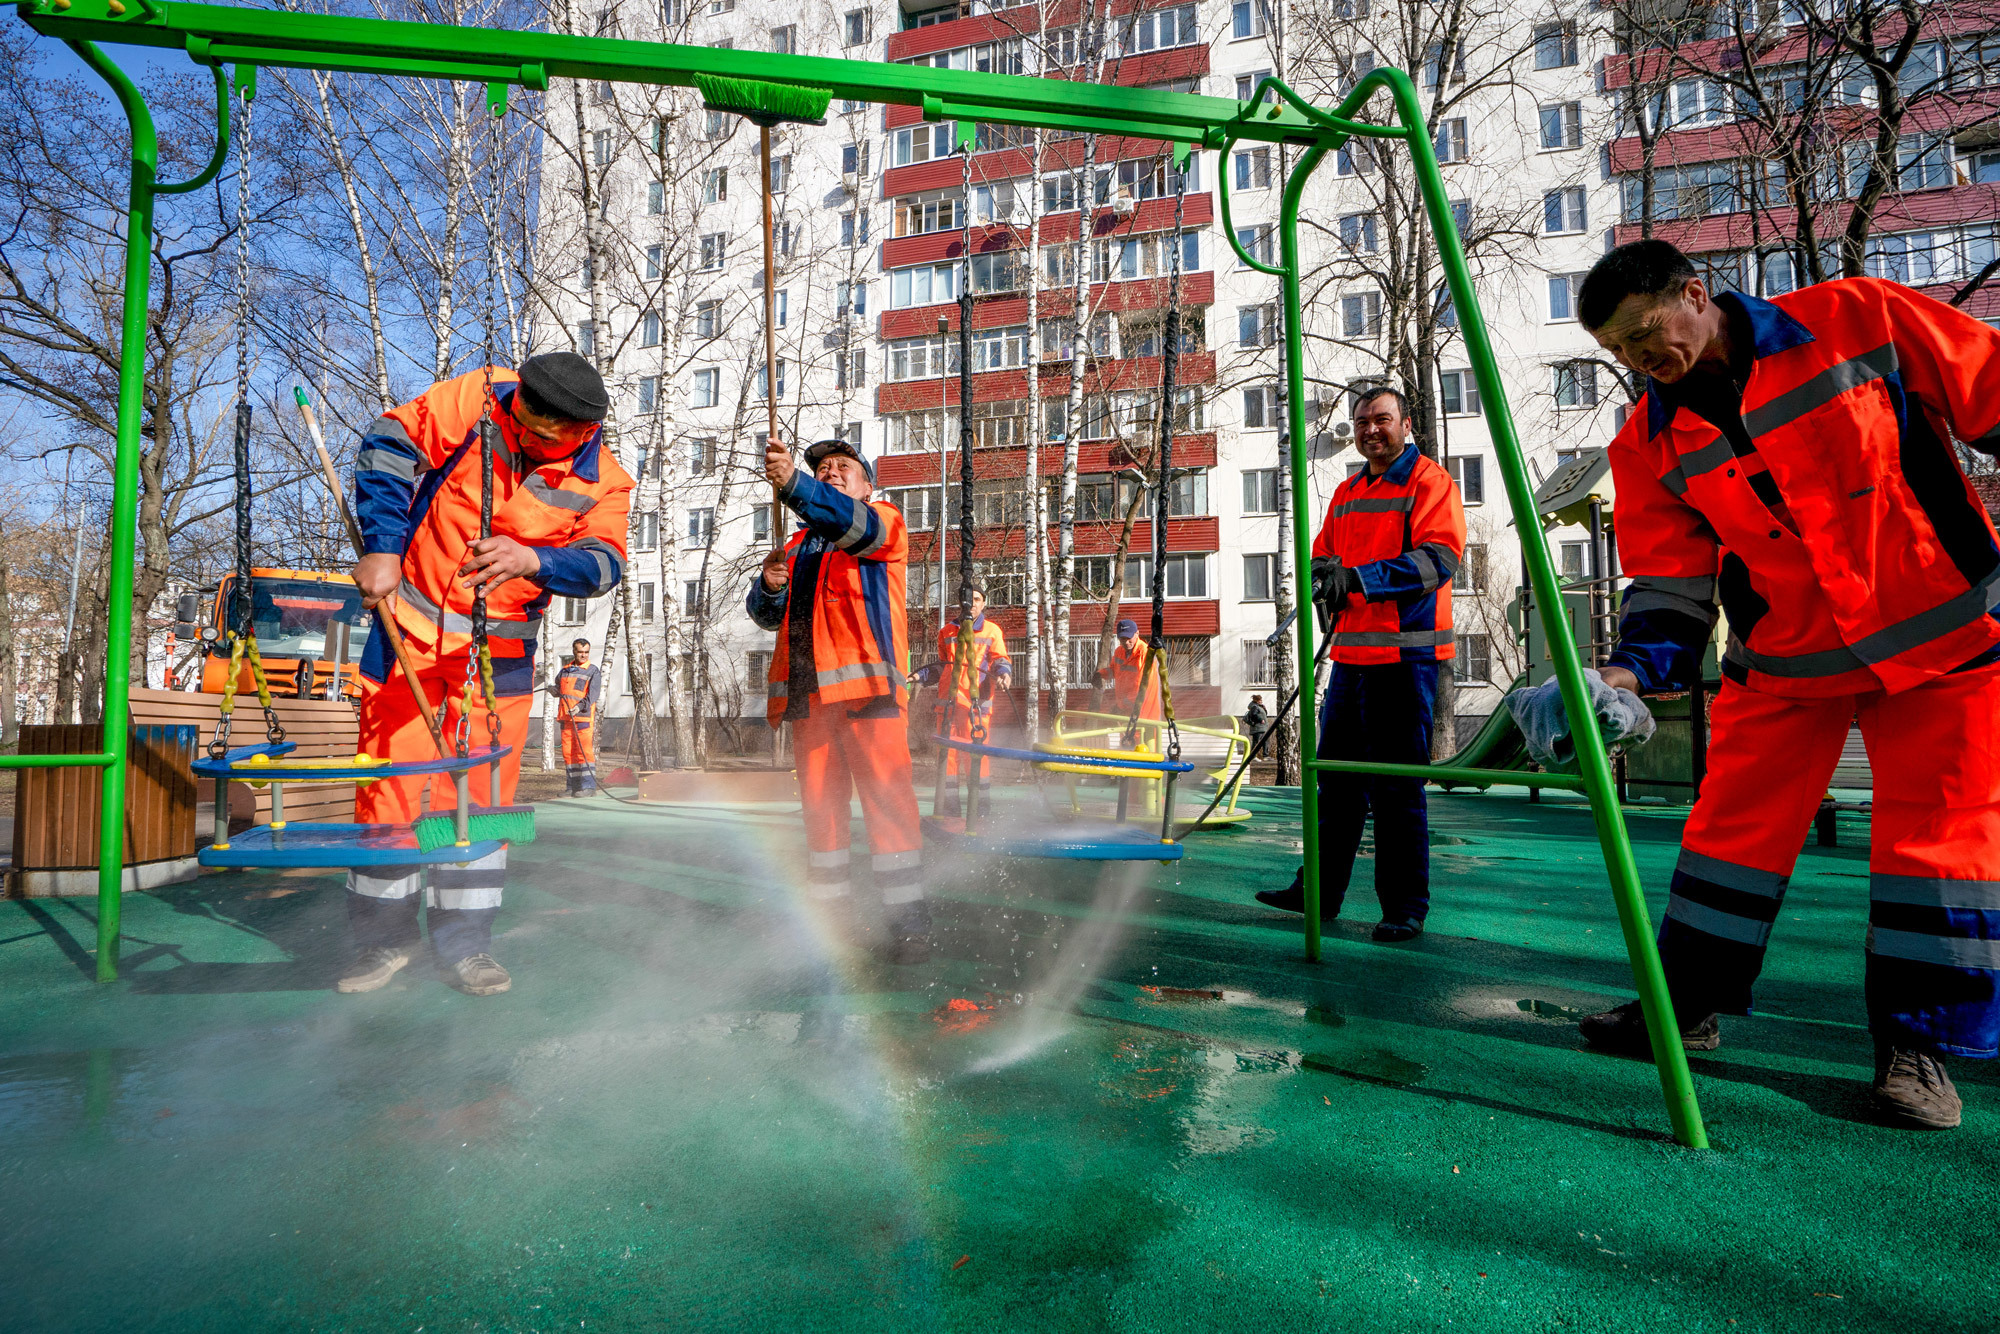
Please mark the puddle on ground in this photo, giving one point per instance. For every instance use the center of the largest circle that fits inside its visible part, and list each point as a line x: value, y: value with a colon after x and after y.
x: 1374, y: 1067
x: 1328, y: 1018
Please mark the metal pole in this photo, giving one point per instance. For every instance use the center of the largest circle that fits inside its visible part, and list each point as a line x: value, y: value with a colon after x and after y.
x: 770, y: 331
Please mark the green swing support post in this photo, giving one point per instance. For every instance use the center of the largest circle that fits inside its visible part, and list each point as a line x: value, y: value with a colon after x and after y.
x: 218, y: 35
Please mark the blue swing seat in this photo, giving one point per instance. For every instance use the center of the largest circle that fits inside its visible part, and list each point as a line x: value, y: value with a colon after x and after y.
x: 1080, y: 841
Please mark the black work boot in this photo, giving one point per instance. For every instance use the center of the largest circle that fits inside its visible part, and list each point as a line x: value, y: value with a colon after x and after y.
x: 1623, y: 1031
x: 909, y: 926
x: 1292, y: 898
x: 1912, y: 1089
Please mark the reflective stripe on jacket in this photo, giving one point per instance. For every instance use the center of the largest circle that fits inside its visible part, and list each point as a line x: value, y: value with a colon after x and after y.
x: 1403, y: 533
x: 989, y: 651
x: 1839, y: 531
x: 856, y: 556
x: 416, y: 486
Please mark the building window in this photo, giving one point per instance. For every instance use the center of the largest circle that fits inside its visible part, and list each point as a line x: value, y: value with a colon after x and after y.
x: 1355, y: 158
x: 1159, y: 30
x: 649, y: 328
x: 714, y: 185
x: 785, y: 40
x: 1253, y: 169
x: 757, y: 667
x: 758, y: 390
x: 586, y: 339
x: 1555, y: 45
x: 707, y: 319
x: 999, y: 349
x: 714, y: 249
x: 1436, y: 63
x: 1562, y: 125
x: 919, y: 505
x: 649, y: 394
x: 574, y: 610
x: 655, y: 257
x: 1471, y: 574
x: 913, y: 432
x: 1187, y: 660
x: 1563, y: 289
x: 1473, y: 663
x: 781, y: 174
x: 1260, y: 490
x: 850, y: 369
x: 707, y: 388
x: 1260, y: 578
x: 854, y: 160
x: 1564, y: 212
x: 1575, y: 560
x: 1258, y: 242
x: 919, y: 143
x: 1249, y: 18
x: 1263, y: 408
x: 922, y: 358
x: 646, y: 602
x: 1576, y: 384
x: 600, y: 147
x: 1360, y: 233
x: 702, y: 456
x: 1257, y: 665
x: 854, y: 27
x: 1361, y: 315
x: 850, y: 298
x: 1469, y: 471
x: 1449, y: 140
x: 646, y: 531
x: 1257, y: 326
x: 1187, y: 576
x: 917, y: 216
x: 924, y: 285
x: 701, y: 526
x: 716, y: 125
x: 760, y: 523
x: 1458, y: 395
x: 694, y: 592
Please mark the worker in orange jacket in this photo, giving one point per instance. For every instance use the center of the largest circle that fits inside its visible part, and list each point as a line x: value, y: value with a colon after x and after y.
x: 579, y: 688
x: 560, y: 503
x: 1794, y: 459
x: 835, y: 595
x: 1382, y: 568
x: 1123, y: 672
x: 965, y: 695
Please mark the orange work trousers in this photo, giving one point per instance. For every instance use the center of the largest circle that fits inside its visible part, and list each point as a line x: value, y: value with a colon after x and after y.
x: 957, y: 761
x: 848, y: 749
x: 392, y: 728
x: 579, y: 752
x: 1933, y: 948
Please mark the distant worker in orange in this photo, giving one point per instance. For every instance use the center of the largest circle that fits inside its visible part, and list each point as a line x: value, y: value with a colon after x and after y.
x: 560, y: 503
x: 1122, y: 672
x: 965, y: 695
x: 579, y: 689
x: 835, y: 595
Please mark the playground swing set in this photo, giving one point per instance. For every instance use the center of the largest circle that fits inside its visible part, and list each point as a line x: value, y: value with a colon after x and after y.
x: 219, y: 35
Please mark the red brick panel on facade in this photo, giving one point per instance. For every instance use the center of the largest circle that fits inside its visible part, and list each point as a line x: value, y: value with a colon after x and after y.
x: 1197, y: 289
x: 1124, y: 376
x: 1182, y: 618
x: 1092, y: 456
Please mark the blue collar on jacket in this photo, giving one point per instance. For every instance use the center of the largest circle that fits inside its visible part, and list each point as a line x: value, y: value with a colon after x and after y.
x: 1771, y: 331
x: 1397, y: 473
x: 583, y: 462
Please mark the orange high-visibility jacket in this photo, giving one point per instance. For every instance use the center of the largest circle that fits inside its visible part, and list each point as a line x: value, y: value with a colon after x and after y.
x: 417, y: 484
x: 1403, y: 533
x: 578, y: 690
x: 989, y: 653
x: 1126, y: 666
x: 1838, y: 530
x: 850, y: 558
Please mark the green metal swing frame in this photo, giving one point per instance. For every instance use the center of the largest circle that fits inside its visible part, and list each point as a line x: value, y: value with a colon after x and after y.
x: 219, y: 35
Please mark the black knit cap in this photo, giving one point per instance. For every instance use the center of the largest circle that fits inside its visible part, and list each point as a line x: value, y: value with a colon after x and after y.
x: 818, y: 452
x: 563, y: 384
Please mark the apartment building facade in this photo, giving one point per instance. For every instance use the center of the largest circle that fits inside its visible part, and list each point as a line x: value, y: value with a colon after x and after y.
x: 874, y: 213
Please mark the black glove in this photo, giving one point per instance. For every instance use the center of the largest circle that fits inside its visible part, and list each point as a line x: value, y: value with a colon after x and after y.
x: 1332, y: 582
x: 928, y: 674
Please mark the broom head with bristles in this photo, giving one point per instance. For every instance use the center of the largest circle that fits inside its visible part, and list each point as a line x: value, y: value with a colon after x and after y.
x: 766, y: 104
x: 509, y: 824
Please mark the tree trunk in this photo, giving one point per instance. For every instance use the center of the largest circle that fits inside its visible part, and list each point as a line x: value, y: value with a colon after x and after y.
x: 10, y: 719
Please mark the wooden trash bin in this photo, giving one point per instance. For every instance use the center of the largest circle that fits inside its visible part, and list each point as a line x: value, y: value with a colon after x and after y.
x: 56, y: 811
x: 319, y: 728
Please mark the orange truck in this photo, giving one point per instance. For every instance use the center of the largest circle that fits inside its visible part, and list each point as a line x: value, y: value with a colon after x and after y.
x: 310, y: 632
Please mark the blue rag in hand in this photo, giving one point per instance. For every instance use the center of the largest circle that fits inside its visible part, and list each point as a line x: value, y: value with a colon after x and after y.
x: 1621, y: 716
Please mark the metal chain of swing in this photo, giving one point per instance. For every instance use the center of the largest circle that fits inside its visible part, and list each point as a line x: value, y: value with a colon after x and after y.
x: 479, y: 662
x: 240, y: 618
x: 1156, y: 652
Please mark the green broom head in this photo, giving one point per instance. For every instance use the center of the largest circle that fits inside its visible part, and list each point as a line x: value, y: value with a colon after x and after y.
x: 508, y: 824
x: 765, y: 104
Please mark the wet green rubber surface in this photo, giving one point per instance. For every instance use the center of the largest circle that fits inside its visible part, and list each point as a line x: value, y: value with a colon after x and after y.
x: 690, y: 1114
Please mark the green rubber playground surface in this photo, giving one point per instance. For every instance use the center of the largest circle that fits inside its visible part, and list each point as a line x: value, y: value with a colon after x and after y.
x: 1117, y: 1100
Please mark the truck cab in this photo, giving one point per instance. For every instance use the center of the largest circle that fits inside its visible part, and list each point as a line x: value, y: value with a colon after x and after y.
x: 310, y: 629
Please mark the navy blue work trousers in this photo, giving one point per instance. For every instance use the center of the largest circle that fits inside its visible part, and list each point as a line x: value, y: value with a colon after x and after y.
x: 1380, y: 713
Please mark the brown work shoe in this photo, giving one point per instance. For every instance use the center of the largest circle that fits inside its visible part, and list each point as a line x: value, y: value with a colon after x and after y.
x: 1622, y: 1031
x: 373, y: 967
x: 478, y: 975
x: 1912, y: 1089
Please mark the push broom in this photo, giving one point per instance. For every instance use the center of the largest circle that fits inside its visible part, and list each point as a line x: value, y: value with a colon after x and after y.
x: 435, y: 829
x: 767, y: 105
